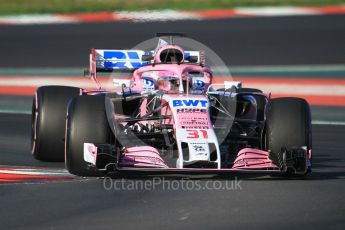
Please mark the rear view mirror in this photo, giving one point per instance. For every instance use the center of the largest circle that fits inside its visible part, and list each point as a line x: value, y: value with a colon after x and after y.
x: 121, y: 82
x: 192, y: 59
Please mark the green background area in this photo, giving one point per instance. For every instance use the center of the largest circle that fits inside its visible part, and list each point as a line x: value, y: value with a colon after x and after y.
x: 72, y: 6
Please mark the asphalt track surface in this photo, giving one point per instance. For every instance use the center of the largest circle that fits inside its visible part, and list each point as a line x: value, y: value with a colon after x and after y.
x: 247, y: 41
x: 262, y: 203
x: 315, y: 202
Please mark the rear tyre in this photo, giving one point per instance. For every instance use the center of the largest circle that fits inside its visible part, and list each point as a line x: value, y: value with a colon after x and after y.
x: 48, y: 121
x: 288, y: 125
x: 86, y: 123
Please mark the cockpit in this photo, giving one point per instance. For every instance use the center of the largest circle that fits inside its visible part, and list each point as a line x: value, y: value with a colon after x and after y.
x: 192, y: 82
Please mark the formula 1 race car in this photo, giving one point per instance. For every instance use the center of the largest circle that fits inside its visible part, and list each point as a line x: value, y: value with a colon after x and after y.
x: 169, y: 115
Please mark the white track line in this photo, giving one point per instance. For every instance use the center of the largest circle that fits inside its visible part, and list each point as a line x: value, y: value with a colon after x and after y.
x: 274, y: 11
x: 35, y: 171
x: 312, y: 89
x: 36, y: 19
x: 156, y: 15
x: 320, y: 122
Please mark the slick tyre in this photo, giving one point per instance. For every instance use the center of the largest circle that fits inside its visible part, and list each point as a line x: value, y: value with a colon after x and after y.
x: 49, y: 109
x: 288, y: 125
x: 86, y: 123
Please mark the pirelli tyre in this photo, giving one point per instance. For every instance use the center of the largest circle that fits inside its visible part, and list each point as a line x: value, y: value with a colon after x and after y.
x: 86, y: 123
x: 49, y: 109
x: 288, y: 125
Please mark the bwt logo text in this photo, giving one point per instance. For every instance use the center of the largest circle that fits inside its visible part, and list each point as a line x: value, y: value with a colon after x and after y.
x: 189, y: 103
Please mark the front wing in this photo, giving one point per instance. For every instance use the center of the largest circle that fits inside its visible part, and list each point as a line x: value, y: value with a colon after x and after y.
x: 295, y: 161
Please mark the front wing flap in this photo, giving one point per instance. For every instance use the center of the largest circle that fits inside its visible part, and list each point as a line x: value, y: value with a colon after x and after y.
x: 294, y: 161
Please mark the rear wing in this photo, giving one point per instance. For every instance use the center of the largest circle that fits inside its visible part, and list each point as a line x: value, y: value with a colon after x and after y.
x: 110, y: 60
x: 102, y: 60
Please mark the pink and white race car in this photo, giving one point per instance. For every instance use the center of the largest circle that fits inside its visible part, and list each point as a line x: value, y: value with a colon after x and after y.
x: 169, y: 116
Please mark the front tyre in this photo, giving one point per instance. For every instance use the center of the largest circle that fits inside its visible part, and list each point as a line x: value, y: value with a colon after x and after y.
x: 288, y: 125
x: 86, y: 123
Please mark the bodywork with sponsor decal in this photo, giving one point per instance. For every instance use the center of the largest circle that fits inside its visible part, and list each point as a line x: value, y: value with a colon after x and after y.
x: 169, y: 116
